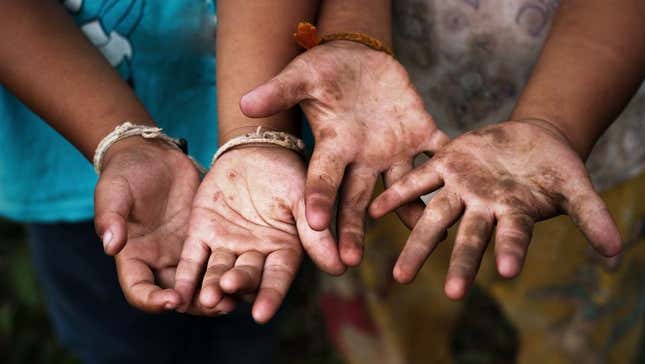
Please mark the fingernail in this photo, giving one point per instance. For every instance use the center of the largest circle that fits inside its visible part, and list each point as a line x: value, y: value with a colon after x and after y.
x: 169, y: 305
x: 107, y: 239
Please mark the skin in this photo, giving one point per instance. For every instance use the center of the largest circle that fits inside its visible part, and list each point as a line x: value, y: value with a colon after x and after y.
x: 146, y: 187
x: 250, y: 226
x: 350, y: 93
x: 250, y: 244
x: 503, y: 179
x: 144, y: 196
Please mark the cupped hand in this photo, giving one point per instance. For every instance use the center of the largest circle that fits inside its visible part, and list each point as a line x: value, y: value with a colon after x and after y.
x: 505, y: 178
x: 142, y: 203
x: 366, y: 117
x: 245, y: 232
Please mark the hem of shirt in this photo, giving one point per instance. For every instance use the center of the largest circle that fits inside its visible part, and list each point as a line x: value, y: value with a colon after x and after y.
x: 63, y: 211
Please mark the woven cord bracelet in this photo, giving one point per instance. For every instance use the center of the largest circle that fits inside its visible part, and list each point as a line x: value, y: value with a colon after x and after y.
x: 306, y: 36
x: 278, y: 138
x: 127, y: 130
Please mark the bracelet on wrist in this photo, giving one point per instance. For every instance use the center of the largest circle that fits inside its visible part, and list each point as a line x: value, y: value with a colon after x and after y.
x: 127, y: 130
x: 267, y: 137
x: 306, y: 36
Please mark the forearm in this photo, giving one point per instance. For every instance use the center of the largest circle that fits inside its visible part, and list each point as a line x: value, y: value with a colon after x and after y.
x: 51, y: 67
x: 373, y: 17
x: 592, y: 63
x: 254, y: 43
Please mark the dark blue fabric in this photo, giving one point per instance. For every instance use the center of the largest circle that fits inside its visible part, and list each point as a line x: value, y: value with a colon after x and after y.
x: 93, y: 320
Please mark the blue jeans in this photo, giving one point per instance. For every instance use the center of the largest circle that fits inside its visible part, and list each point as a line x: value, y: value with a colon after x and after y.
x: 93, y: 320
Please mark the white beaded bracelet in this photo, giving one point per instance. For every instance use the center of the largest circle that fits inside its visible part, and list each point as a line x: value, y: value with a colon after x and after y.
x: 278, y: 138
x: 128, y: 129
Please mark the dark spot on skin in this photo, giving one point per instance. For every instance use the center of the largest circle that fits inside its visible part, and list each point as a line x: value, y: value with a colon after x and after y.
x: 231, y: 198
x: 217, y: 196
x: 507, y: 184
x: 550, y: 183
x: 497, y: 136
x: 328, y: 133
x: 476, y: 228
x: 232, y: 174
x: 515, y: 203
x: 473, y: 3
x: 523, y: 223
x: 282, y: 211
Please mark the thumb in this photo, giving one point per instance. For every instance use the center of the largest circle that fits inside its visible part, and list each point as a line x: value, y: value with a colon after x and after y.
x: 112, y: 204
x: 281, y: 93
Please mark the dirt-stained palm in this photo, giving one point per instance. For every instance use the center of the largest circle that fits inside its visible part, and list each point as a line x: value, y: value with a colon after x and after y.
x: 366, y: 117
x: 504, y: 177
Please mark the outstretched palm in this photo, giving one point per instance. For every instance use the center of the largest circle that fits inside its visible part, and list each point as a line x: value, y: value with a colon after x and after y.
x: 505, y: 178
x: 142, y: 204
x: 245, y: 229
x: 366, y: 117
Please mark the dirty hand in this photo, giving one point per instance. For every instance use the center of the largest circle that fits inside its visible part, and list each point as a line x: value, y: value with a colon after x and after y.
x: 505, y: 177
x: 366, y: 117
x: 246, y: 227
x: 142, y: 203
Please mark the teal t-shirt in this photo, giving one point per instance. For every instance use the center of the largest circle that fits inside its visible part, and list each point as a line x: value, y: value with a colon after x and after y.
x: 165, y: 50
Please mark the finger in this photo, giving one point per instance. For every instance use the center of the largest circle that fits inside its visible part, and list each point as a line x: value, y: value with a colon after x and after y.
x: 225, y: 306
x: 189, y: 269
x: 437, y: 140
x: 113, y: 202
x: 281, y: 93
x: 423, y: 180
x: 441, y: 213
x: 320, y: 245
x: 279, y: 271
x: 140, y: 290
x: 355, y: 195
x: 245, y: 276
x: 512, y: 238
x: 590, y: 214
x: 472, y: 236
x: 324, y: 175
x: 220, y: 262
x: 411, y: 212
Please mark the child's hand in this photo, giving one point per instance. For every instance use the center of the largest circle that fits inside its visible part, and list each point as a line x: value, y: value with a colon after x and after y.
x: 245, y: 232
x: 142, y: 204
x: 510, y: 176
x: 366, y: 117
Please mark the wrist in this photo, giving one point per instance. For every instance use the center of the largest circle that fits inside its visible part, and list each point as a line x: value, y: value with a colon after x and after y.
x: 262, y: 137
x: 138, y: 144
x: 344, y: 16
x: 553, y: 129
x: 286, y: 122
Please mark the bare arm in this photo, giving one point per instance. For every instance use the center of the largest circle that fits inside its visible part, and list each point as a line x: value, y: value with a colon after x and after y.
x: 373, y: 17
x: 50, y: 66
x: 247, y: 220
x: 254, y: 43
x: 502, y: 179
x: 592, y: 63
x: 145, y: 189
